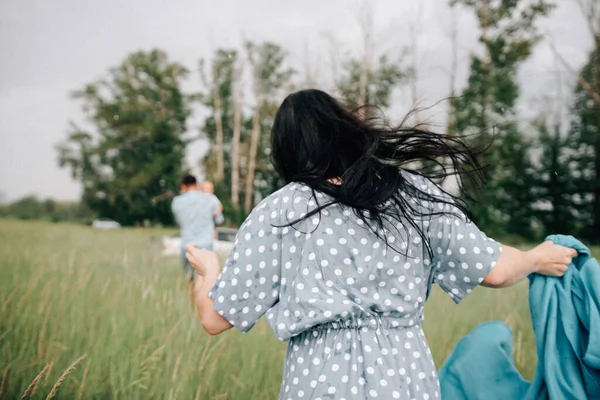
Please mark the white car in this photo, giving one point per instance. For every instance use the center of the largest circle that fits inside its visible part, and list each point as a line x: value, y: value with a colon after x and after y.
x: 171, y: 245
x: 105, y: 223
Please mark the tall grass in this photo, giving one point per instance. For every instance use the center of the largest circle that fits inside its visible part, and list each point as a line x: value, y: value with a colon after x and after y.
x: 90, y: 314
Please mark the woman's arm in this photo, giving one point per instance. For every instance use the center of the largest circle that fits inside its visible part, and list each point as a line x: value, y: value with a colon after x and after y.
x: 206, y: 263
x: 515, y: 265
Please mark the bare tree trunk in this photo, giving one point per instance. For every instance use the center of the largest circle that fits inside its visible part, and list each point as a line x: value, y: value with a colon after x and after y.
x: 450, y: 125
x: 254, y: 139
x: 414, y: 90
x: 309, y: 75
x: 218, y: 116
x: 366, y: 23
x: 235, y: 141
x: 334, y: 56
x: 482, y: 15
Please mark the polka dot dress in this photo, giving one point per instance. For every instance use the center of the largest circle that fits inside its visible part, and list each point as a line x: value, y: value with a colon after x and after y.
x: 349, y: 305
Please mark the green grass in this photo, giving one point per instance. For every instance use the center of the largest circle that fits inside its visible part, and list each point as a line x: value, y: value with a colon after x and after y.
x: 68, y: 292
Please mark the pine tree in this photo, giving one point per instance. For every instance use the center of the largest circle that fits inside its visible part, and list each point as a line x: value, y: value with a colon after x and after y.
x: 585, y: 129
x: 486, y: 110
x: 555, y: 177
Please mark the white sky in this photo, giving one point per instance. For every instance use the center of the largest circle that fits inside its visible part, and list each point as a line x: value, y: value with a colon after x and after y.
x: 50, y: 48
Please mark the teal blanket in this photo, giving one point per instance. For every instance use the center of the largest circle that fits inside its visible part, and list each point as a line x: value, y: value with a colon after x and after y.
x: 565, y: 313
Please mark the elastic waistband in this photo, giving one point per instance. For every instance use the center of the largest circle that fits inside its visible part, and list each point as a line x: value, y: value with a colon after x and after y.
x: 367, y: 323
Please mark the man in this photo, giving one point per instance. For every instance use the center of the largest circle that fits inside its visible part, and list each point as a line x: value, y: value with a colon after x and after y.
x: 195, y: 212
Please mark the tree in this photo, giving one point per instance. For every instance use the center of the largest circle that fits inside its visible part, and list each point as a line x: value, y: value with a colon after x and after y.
x: 453, y: 35
x: 555, y: 177
x: 414, y: 33
x: 219, y: 99
x: 380, y: 82
x: 585, y: 128
x: 364, y: 81
x: 238, y: 96
x: 267, y: 61
x: 487, y: 104
x: 137, y: 148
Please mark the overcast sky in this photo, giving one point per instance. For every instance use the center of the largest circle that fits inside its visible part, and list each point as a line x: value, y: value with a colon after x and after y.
x: 50, y: 48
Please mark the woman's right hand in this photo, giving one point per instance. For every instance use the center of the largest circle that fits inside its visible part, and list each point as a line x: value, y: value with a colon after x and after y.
x: 203, y: 261
x: 552, y: 259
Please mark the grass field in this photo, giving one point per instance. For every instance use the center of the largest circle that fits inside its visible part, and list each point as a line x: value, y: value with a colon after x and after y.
x: 102, y: 300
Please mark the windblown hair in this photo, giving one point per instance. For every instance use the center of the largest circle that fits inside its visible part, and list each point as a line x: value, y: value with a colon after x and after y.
x: 315, y: 141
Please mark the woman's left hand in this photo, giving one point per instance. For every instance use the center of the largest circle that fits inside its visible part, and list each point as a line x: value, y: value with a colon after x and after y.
x: 203, y: 261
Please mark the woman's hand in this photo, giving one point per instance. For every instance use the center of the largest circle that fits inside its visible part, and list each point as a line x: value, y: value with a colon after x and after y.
x: 552, y: 259
x: 514, y: 265
x: 204, y: 262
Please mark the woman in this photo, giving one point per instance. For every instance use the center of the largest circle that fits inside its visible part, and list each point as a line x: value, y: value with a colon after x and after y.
x: 341, y: 260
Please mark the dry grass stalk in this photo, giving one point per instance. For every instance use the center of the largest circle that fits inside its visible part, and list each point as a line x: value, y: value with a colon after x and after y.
x: 40, y: 345
x: 34, y: 384
x: 8, y: 299
x: 85, y: 374
x: 4, y: 374
x: 198, y: 392
x: 4, y: 334
x: 176, y: 369
x: 64, y: 376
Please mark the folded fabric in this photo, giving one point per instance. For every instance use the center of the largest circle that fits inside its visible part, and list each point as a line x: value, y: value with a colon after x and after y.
x: 565, y: 314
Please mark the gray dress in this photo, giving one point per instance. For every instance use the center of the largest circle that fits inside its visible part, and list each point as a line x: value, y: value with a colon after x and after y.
x: 349, y: 306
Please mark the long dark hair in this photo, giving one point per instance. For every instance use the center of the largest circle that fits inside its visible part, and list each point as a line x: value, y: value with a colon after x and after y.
x: 315, y: 140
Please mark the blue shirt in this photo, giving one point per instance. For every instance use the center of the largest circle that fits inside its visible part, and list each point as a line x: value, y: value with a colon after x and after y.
x: 194, y: 212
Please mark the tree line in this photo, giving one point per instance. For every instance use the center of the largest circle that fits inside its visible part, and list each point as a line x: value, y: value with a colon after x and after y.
x: 542, y: 177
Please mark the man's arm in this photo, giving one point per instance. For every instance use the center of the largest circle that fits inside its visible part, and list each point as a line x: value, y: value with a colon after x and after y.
x: 174, y: 210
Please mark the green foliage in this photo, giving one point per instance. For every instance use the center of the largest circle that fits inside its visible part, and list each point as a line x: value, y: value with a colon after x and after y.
x: 137, y: 148
x: 380, y: 82
x: 32, y: 208
x: 585, y: 130
x: 221, y: 77
x: 271, y: 76
x: 487, y: 104
x: 555, y: 182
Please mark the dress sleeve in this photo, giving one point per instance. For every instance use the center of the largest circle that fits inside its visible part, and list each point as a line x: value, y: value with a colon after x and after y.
x: 462, y: 254
x: 248, y: 285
